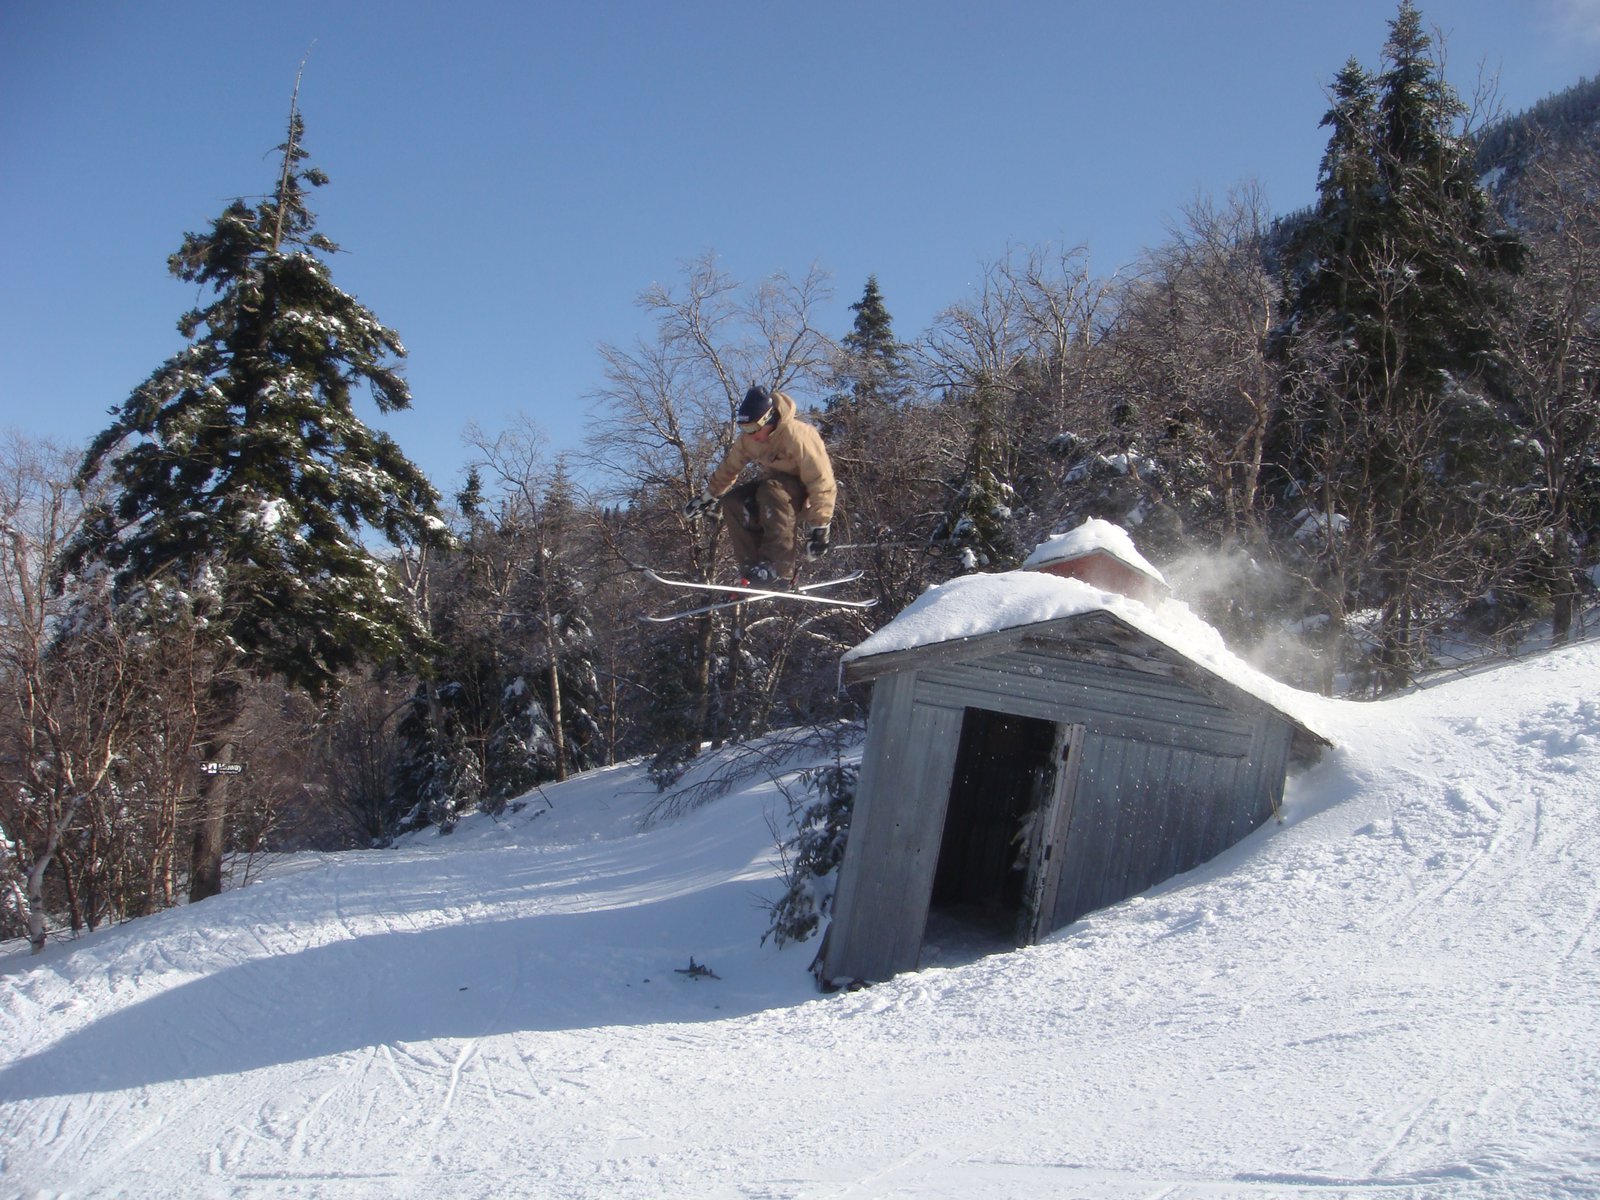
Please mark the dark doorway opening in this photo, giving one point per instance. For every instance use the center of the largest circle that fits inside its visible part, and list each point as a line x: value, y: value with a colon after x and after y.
x: 1003, y: 766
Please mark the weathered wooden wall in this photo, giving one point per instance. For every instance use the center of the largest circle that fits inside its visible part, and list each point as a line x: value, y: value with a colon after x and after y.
x: 1167, y: 778
x: 881, y: 904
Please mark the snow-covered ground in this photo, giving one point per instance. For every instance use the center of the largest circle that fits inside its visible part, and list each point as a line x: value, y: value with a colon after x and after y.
x: 1394, y: 993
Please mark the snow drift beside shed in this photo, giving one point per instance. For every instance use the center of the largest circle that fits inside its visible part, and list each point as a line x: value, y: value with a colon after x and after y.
x: 1039, y: 747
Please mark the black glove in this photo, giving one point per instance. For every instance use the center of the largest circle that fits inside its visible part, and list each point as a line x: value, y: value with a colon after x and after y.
x: 816, y: 543
x: 701, y: 506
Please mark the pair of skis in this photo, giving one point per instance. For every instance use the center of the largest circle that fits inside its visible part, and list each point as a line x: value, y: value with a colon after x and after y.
x: 806, y: 594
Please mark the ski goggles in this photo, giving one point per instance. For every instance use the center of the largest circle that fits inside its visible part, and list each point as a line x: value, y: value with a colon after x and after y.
x: 757, y: 426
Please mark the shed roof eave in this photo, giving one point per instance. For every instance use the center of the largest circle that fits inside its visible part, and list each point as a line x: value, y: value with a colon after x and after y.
x: 952, y: 650
x: 1308, y: 742
x: 1057, y: 634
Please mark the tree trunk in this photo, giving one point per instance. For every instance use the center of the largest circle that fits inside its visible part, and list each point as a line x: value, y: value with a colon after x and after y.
x: 211, y: 831
x: 35, y: 907
x: 1563, y: 587
x: 553, y: 649
x: 225, y: 699
x: 556, y: 732
x: 702, y: 683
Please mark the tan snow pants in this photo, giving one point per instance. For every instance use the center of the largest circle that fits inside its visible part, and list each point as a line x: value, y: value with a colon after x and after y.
x: 760, y: 517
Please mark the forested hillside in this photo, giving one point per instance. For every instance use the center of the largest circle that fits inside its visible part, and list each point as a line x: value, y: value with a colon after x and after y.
x: 1350, y: 439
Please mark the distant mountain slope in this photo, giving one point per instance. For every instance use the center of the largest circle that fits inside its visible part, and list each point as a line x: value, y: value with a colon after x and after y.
x: 1568, y: 118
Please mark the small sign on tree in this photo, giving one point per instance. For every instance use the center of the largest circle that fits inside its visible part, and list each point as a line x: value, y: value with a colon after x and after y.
x: 221, y: 768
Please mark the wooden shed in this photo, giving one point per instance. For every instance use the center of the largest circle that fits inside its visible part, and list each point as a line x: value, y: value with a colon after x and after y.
x: 1039, y: 747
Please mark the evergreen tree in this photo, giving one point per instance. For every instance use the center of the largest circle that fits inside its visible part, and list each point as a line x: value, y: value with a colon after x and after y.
x: 871, y: 382
x: 513, y: 689
x: 242, y: 477
x: 813, y: 853
x: 561, y: 679
x: 1551, y: 339
x: 439, y: 775
x: 873, y: 368
x: 979, y: 525
x: 1331, y: 242
x: 1399, y: 269
x: 1436, y: 217
x: 884, y: 453
x: 469, y: 499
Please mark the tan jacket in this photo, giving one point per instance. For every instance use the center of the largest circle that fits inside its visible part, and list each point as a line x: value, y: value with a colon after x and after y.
x: 793, y: 448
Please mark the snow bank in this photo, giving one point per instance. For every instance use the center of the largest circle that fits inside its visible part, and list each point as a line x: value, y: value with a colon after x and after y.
x: 1391, y: 993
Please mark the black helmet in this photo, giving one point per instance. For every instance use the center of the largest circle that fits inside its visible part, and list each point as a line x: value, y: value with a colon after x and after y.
x: 757, y: 411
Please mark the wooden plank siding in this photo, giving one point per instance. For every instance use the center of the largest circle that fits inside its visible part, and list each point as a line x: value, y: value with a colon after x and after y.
x: 1148, y: 813
x: 1168, y: 774
x: 1088, y: 639
x: 896, y: 824
x: 1107, y: 701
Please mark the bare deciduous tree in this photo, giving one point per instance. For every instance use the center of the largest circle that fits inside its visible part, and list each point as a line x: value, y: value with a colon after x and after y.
x: 1198, y: 320
x: 664, y: 419
x: 1550, y: 335
x: 66, y: 699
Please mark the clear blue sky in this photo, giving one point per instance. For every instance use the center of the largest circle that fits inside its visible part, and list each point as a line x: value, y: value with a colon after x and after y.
x: 508, y: 177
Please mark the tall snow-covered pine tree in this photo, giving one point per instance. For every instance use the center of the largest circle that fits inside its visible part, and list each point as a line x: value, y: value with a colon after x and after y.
x: 1400, y: 265
x: 241, y: 476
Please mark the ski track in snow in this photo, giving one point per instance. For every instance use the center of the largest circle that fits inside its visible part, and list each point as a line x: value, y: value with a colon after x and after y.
x: 1394, y: 993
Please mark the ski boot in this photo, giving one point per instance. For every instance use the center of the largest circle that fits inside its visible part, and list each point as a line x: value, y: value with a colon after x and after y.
x: 761, y: 575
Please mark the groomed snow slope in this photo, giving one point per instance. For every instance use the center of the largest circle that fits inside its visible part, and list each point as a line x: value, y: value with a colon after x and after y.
x: 1394, y: 993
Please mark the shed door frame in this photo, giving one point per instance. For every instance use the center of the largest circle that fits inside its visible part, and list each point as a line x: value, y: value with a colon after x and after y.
x: 1049, y: 856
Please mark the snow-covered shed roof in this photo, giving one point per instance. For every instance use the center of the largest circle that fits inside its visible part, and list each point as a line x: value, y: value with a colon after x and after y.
x: 979, y: 615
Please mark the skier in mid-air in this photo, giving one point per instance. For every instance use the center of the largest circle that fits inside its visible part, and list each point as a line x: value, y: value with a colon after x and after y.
x: 794, y: 492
